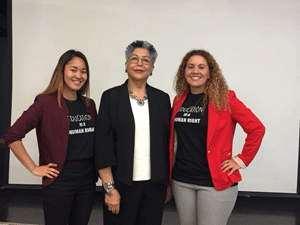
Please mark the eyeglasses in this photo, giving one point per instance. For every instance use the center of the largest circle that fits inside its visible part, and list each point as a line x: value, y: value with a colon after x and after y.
x: 135, y: 60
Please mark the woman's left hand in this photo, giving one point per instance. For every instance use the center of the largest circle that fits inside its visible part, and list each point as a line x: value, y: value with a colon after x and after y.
x: 230, y: 164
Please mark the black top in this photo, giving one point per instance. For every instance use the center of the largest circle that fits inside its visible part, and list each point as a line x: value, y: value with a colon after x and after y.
x: 190, y: 123
x: 115, y: 132
x: 81, y: 131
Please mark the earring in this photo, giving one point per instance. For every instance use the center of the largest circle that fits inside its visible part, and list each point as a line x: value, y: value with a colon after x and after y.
x: 125, y: 70
x: 151, y: 74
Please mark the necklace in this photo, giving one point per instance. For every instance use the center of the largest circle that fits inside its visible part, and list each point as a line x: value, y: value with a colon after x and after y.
x: 140, y: 102
x: 192, y: 106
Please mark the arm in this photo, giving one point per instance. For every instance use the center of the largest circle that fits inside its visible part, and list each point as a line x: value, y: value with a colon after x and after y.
x: 20, y: 152
x: 252, y: 127
x: 113, y: 201
x: 104, y: 151
x: 28, y: 121
x: 104, y: 140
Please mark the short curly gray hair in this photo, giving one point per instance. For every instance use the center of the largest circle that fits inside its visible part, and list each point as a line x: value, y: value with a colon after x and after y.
x: 141, y: 44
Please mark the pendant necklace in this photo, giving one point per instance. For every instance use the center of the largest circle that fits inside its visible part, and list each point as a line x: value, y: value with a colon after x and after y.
x: 192, y: 106
x: 140, y: 102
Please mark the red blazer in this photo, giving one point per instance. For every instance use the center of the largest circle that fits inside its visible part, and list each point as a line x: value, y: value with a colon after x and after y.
x: 220, y: 131
x: 52, y: 129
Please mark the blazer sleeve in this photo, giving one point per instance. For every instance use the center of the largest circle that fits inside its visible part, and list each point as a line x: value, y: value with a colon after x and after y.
x: 251, y: 125
x: 104, y: 141
x: 26, y: 122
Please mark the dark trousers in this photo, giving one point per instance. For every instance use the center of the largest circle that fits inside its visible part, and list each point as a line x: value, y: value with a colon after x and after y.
x: 141, y: 204
x: 70, y: 198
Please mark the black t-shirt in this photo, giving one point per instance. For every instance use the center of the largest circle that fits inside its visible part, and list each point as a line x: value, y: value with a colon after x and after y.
x: 81, y: 131
x: 190, y: 123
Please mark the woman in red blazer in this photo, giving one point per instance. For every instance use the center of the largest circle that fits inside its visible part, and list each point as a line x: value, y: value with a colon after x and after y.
x: 205, y: 175
x: 64, y: 120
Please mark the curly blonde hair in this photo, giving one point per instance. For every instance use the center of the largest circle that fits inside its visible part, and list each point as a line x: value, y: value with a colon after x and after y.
x: 216, y: 88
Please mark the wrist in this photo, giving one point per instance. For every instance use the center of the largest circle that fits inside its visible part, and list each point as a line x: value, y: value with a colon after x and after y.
x: 32, y: 168
x: 108, y: 188
x: 239, y: 162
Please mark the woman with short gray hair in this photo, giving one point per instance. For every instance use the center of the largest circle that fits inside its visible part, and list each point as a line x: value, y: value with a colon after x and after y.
x: 131, y: 148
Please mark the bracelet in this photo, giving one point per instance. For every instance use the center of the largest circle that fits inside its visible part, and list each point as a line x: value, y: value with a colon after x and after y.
x: 108, y: 187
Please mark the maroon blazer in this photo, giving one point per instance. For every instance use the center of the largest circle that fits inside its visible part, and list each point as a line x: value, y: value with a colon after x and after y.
x: 52, y: 129
x: 220, y: 132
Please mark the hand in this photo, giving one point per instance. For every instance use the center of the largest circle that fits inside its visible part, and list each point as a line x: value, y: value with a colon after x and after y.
x: 169, y: 194
x: 45, y: 171
x: 113, y: 201
x: 230, y: 164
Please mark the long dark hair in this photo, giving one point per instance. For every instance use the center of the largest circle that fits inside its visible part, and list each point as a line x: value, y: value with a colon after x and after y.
x: 57, y: 81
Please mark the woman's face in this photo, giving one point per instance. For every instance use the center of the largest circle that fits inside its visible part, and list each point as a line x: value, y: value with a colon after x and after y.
x: 197, y: 73
x: 139, y: 64
x: 75, y: 75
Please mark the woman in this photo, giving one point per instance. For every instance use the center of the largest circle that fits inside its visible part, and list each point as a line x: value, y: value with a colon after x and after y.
x: 64, y: 120
x: 132, y: 139
x: 204, y: 116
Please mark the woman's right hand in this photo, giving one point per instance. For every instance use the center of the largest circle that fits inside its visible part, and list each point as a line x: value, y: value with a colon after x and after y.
x: 169, y: 194
x: 45, y: 171
x: 113, y: 201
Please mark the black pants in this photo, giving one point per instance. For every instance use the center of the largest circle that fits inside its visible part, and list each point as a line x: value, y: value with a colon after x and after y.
x: 70, y: 198
x: 141, y: 204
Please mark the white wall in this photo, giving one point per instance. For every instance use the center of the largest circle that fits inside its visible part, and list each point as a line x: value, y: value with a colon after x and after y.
x: 255, y: 42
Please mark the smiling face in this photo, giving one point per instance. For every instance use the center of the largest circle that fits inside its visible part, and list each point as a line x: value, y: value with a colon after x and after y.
x: 197, y: 73
x: 139, y: 65
x: 75, y: 76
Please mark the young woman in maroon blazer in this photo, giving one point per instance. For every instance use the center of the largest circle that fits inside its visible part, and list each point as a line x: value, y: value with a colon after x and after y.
x: 64, y: 120
x: 205, y: 175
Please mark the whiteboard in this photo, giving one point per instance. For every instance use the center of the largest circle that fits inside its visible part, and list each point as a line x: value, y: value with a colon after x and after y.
x: 255, y: 42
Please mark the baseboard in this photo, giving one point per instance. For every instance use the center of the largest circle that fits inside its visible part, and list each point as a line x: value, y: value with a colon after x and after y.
x: 99, y: 188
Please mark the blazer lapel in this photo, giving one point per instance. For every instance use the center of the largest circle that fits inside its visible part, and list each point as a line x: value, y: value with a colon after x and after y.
x: 125, y: 111
x: 156, y: 124
x: 126, y: 128
x: 153, y: 114
x: 64, y: 124
x: 213, y: 119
